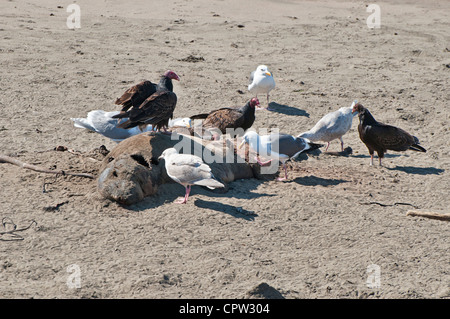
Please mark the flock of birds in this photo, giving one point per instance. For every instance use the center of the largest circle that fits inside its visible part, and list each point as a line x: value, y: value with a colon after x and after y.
x: 148, y: 106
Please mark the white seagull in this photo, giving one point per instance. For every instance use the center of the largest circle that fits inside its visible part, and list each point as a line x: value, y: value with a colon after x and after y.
x: 103, y: 123
x: 332, y: 126
x: 277, y: 146
x: 187, y: 170
x: 261, y: 82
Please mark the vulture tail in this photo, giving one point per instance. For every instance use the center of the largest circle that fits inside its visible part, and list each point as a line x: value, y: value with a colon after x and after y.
x: 199, y: 116
x: 314, y: 146
x: 127, y: 124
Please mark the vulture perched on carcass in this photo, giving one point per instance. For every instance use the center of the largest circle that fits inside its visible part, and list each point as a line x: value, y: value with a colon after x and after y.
x: 147, y: 103
x: 381, y: 137
x: 228, y: 118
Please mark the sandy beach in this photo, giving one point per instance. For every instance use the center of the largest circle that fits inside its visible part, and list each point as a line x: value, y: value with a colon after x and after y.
x: 335, y: 225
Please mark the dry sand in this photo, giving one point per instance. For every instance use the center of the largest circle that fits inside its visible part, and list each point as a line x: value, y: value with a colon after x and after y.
x: 311, y: 237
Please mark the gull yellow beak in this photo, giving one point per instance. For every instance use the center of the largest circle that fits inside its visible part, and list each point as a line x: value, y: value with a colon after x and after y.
x: 241, y: 144
x: 268, y: 73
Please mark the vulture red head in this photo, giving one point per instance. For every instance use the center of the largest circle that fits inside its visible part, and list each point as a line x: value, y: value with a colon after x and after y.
x: 358, y: 107
x: 171, y: 75
x: 254, y: 102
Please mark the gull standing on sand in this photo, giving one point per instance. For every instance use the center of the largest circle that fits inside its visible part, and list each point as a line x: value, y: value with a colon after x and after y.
x: 187, y: 170
x: 261, y: 82
x: 332, y: 126
x: 281, y: 147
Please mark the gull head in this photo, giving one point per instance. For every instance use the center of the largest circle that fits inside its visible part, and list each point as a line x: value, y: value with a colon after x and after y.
x: 250, y: 137
x: 167, y: 152
x: 263, y: 70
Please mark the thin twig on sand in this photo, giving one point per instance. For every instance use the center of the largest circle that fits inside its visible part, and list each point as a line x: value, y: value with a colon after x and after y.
x: 432, y: 215
x: 10, y: 160
x: 12, y: 232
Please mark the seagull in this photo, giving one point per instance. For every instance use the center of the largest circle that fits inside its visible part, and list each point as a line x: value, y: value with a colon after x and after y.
x: 261, y: 82
x: 187, y: 170
x: 332, y: 126
x: 104, y: 123
x: 277, y: 146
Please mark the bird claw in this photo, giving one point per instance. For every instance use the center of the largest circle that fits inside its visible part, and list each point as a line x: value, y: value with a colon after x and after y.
x: 181, y: 200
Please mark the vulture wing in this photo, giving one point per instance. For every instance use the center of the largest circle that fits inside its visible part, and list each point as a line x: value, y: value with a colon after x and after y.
x: 136, y: 95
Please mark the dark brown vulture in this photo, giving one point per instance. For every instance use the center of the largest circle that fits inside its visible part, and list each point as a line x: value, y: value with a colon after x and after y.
x: 229, y: 118
x: 147, y: 103
x: 381, y: 137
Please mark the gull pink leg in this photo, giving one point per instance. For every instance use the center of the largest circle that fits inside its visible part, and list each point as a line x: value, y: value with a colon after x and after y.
x: 262, y: 163
x: 285, y: 174
x: 268, y: 107
x: 186, y: 196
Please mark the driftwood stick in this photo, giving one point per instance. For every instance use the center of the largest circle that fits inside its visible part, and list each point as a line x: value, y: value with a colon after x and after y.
x: 432, y: 215
x: 10, y: 160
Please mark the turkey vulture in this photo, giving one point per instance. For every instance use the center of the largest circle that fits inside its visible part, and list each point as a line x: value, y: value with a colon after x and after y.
x: 261, y: 82
x: 146, y: 103
x: 229, y: 117
x: 332, y: 126
x: 281, y: 147
x: 381, y: 137
x: 187, y: 170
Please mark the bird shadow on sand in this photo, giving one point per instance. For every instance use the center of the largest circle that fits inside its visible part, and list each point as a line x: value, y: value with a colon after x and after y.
x: 375, y: 157
x: 417, y: 170
x: 318, y: 181
x: 287, y: 110
x: 234, y: 211
x: 170, y: 192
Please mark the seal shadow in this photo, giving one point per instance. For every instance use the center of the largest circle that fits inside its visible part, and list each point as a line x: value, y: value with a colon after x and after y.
x: 287, y: 110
